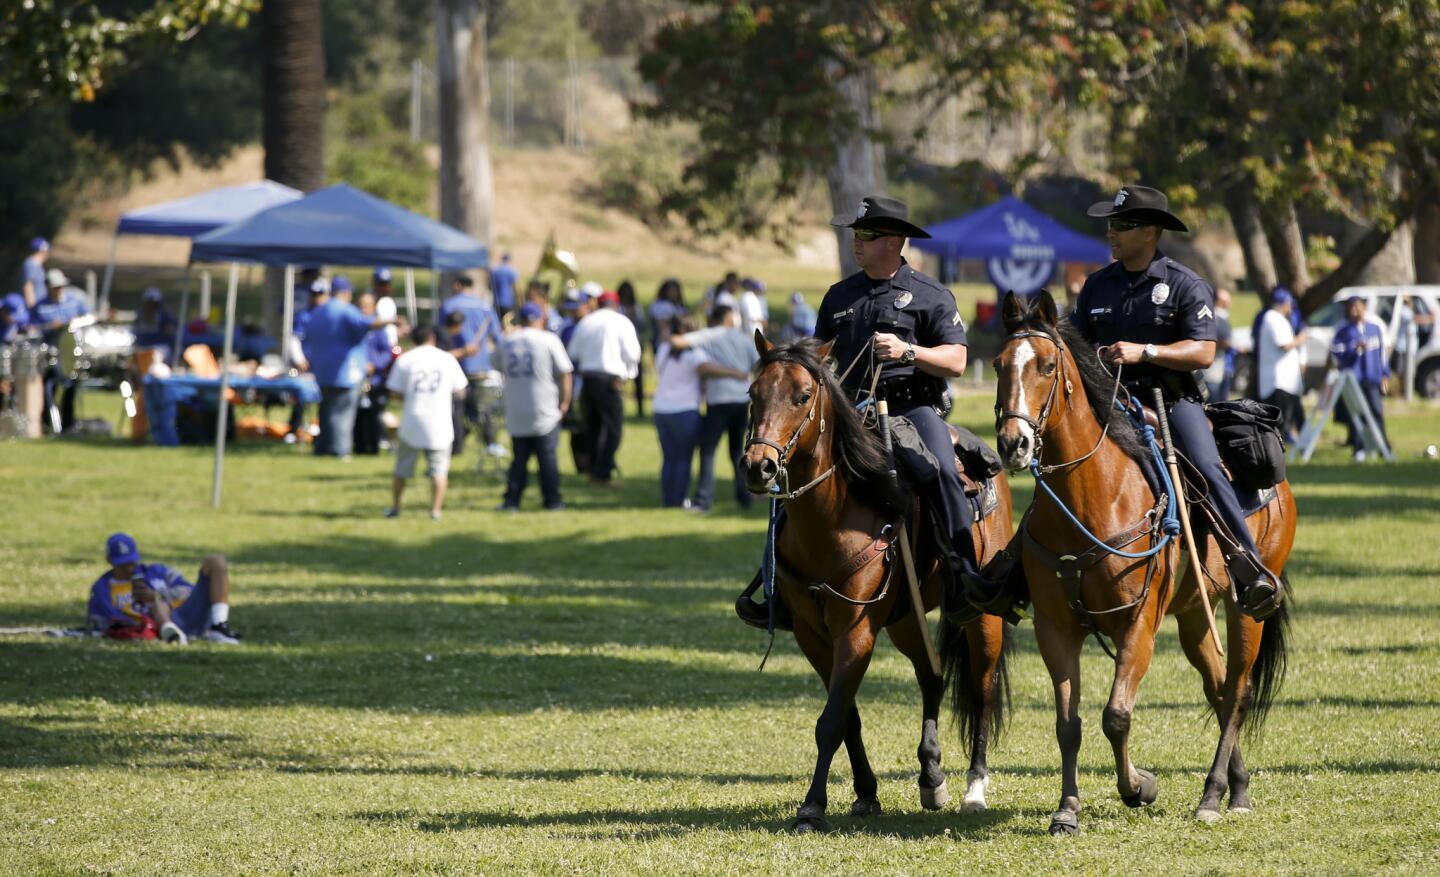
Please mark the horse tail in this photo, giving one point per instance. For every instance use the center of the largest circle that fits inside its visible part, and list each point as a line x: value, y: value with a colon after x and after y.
x: 1268, y: 673
x: 967, y: 693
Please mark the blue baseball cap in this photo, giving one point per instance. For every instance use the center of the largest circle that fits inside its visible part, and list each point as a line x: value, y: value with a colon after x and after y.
x: 341, y: 284
x: 153, y: 293
x: 121, y: 548
x: 382, y: 275
x: 1281, y: 296
x: 14, y: 303
x: 39, y: 245
x: 530, y: 311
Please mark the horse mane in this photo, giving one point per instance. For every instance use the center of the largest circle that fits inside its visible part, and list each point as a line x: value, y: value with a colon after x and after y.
x: 860, y: 452
x: 1098, y: 381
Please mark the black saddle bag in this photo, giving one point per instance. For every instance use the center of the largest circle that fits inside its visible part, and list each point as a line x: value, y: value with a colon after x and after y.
x: 1251, y: 444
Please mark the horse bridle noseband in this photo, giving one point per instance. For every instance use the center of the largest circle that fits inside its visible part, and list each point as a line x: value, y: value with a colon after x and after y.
x: 782, y: 477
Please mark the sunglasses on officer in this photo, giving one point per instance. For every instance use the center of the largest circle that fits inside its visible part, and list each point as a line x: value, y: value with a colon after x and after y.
x: 871, y: 234
x: 1127, y: 224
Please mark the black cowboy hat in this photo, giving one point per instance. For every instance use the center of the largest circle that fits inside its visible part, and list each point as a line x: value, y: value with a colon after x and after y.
x: 1140, y: 204
x: 882, y: 214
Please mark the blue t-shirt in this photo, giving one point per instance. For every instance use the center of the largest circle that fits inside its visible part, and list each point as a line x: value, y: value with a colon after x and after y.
x: 14, y: 317
x: 156, y: 331
x: 113, y: 602
x: 378, y: 352
x: 48, y: 310
x: 480, y: 321
x: 502, y: 285
x: 334, y: 344
x: 1361, y: 349
x: 33, y: 273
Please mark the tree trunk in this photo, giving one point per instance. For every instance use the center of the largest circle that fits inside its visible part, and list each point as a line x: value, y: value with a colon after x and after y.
x: 1287, y: 245
x: 857, y: 159
x: 1245, y: 217
x: 292, y: 73
x: 466, y: 187
x: 1427, y: 243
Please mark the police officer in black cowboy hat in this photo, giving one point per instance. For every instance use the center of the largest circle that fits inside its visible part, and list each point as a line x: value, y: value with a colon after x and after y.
x: 918, y: 343
x: 1157, y: 318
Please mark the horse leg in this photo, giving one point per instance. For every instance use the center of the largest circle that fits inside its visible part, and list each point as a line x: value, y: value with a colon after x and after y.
x: 986, y: 638
x: 1201, y: 652
x: 1138, y: 788
x: 934, y: 793
x: 1242, y: 648
x: 848, y: 659
x: 1060, y: 647
x: 867, y: 801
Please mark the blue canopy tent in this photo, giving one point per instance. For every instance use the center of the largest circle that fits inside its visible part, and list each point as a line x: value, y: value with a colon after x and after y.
x: 194, y: 216
x: 339, y: 225
x: 1019, y: 244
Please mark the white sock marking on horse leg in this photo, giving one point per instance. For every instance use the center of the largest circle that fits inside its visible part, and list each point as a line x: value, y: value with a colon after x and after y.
x: 975, y: 795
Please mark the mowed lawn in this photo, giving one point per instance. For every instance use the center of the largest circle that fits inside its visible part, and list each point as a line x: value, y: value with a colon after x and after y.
x: 571, y: 693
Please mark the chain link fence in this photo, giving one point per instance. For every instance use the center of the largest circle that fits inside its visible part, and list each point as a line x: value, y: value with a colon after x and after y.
x: 575, y: 103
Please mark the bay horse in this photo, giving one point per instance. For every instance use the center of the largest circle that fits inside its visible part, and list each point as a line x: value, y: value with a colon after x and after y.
x: 843, y: 581
x: 1055, y: 408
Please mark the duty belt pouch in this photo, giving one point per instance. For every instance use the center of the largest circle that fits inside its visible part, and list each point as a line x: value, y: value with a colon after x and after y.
x: 1247, y: 434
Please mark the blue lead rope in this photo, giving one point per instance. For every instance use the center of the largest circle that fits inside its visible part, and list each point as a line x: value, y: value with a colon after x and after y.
x: 1169, y: 522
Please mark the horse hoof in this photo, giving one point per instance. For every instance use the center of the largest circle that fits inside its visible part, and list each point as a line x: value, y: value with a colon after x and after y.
x: 1239, y: 810
x: 1063, y: 823
x: 1149, y: 790
x: 810, y: 825
x: 975, y: 795
x: 1206, y: 816
x: 865, y: 807
x: 810, y: 819
x: 934, y: 799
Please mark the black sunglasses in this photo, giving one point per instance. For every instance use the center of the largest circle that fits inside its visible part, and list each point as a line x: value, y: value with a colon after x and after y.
x: 1126, y: 224
x: 871, y: 234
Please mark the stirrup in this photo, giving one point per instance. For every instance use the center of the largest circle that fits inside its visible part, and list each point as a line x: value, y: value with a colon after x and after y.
x: 994, y: 591
x: 1258, y: 591
x: 757, y: 614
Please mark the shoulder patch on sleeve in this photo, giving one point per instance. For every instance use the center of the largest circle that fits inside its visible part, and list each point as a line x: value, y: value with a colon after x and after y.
x: 1205, y: 313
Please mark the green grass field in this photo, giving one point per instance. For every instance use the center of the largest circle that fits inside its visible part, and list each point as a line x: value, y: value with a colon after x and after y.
x: 570, y: 693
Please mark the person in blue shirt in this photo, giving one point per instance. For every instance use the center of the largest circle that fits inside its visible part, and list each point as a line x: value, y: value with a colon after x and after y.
x: 802, y: 318
x: 32, y: 273
x: 478, y: 335
x: 51, y: 315
x: 334, y: 346
x: 502, y: 286
x: 315, y: 290
x: 1359, y: 347
x: 379, y: 355
x: 135, y: 600
x: 14, y: 317
x: 154, y: 326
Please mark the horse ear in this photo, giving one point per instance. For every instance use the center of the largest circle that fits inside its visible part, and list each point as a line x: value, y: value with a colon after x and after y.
x: 1046, y: 308
x: 762, y: 345
x: 1013, y: 311
x: 826, y: 349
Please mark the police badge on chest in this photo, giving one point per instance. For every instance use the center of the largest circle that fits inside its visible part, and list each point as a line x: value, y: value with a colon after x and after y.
x: 1160, y: 293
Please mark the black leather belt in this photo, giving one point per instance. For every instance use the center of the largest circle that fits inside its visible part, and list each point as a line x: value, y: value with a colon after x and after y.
x: 914, y: 390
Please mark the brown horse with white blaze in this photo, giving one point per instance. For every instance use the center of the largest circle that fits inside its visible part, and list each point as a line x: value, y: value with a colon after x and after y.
x: 1055, y: 404
x: 842, y: 580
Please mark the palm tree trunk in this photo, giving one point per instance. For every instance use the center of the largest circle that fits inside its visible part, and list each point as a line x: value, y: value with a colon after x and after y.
x: 466, y: 186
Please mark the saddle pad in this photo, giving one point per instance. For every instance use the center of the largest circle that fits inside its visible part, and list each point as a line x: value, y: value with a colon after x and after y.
x: 1252, y: 500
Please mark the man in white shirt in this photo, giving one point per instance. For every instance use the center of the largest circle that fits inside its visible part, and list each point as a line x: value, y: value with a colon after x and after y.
x: 606, y: 353
x: 428, y: 380
x: 727, y: 400
x: 1282, y: 362
x: 537, y: 395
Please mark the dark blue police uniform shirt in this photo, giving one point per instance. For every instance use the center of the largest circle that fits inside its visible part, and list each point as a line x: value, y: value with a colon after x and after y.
x: 915, y: 308
x: 1165, y: 303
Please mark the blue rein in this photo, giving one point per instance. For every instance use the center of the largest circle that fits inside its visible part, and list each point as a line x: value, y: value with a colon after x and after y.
x: 1169, y: 522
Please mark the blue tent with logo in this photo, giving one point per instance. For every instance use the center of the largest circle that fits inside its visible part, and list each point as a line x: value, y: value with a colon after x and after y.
x: 341, y: 225
x: 1019, y: 244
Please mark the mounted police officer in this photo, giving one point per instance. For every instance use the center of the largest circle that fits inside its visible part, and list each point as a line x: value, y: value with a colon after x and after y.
x: 1156, y: 317
x: 890, y: 317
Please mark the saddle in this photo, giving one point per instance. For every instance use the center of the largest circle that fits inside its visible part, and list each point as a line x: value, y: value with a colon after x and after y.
x: 975, y: 462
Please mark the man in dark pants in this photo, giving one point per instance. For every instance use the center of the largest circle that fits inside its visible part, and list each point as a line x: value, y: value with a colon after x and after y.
x: 606, y: 352
x: 917, y: 340
x: 1359, y: 347
x: 1156, y: 317
x: 537, y: 395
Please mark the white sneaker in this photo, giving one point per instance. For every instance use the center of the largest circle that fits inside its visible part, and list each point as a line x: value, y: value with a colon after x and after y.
x: 1359, y: 456
x: 171, y: 633
x: 219, y: 634
x: 498, y: 450
x: 434, y: 516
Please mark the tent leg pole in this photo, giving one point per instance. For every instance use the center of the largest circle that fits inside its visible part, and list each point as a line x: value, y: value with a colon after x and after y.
x: 205, y: 296
x: 288, y: 320
x: 223, y: 422
x: 180, y: 323
x: 410, y: 297
x: 104, y: 304
x: 435, y: 295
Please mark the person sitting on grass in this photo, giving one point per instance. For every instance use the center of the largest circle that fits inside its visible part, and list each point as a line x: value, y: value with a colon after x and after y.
x: 135, y: 600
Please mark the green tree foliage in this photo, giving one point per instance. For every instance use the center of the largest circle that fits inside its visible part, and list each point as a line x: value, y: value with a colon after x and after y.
x: 57, y: 48
x: 369, y: 151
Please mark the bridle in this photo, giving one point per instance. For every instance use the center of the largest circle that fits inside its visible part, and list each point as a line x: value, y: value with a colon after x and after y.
x: 781, y: 487
x: 1037, y: 424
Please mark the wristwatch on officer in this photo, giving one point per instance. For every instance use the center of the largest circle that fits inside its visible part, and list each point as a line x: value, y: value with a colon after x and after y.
x: 908, y: 356
x: 1149, y: 354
